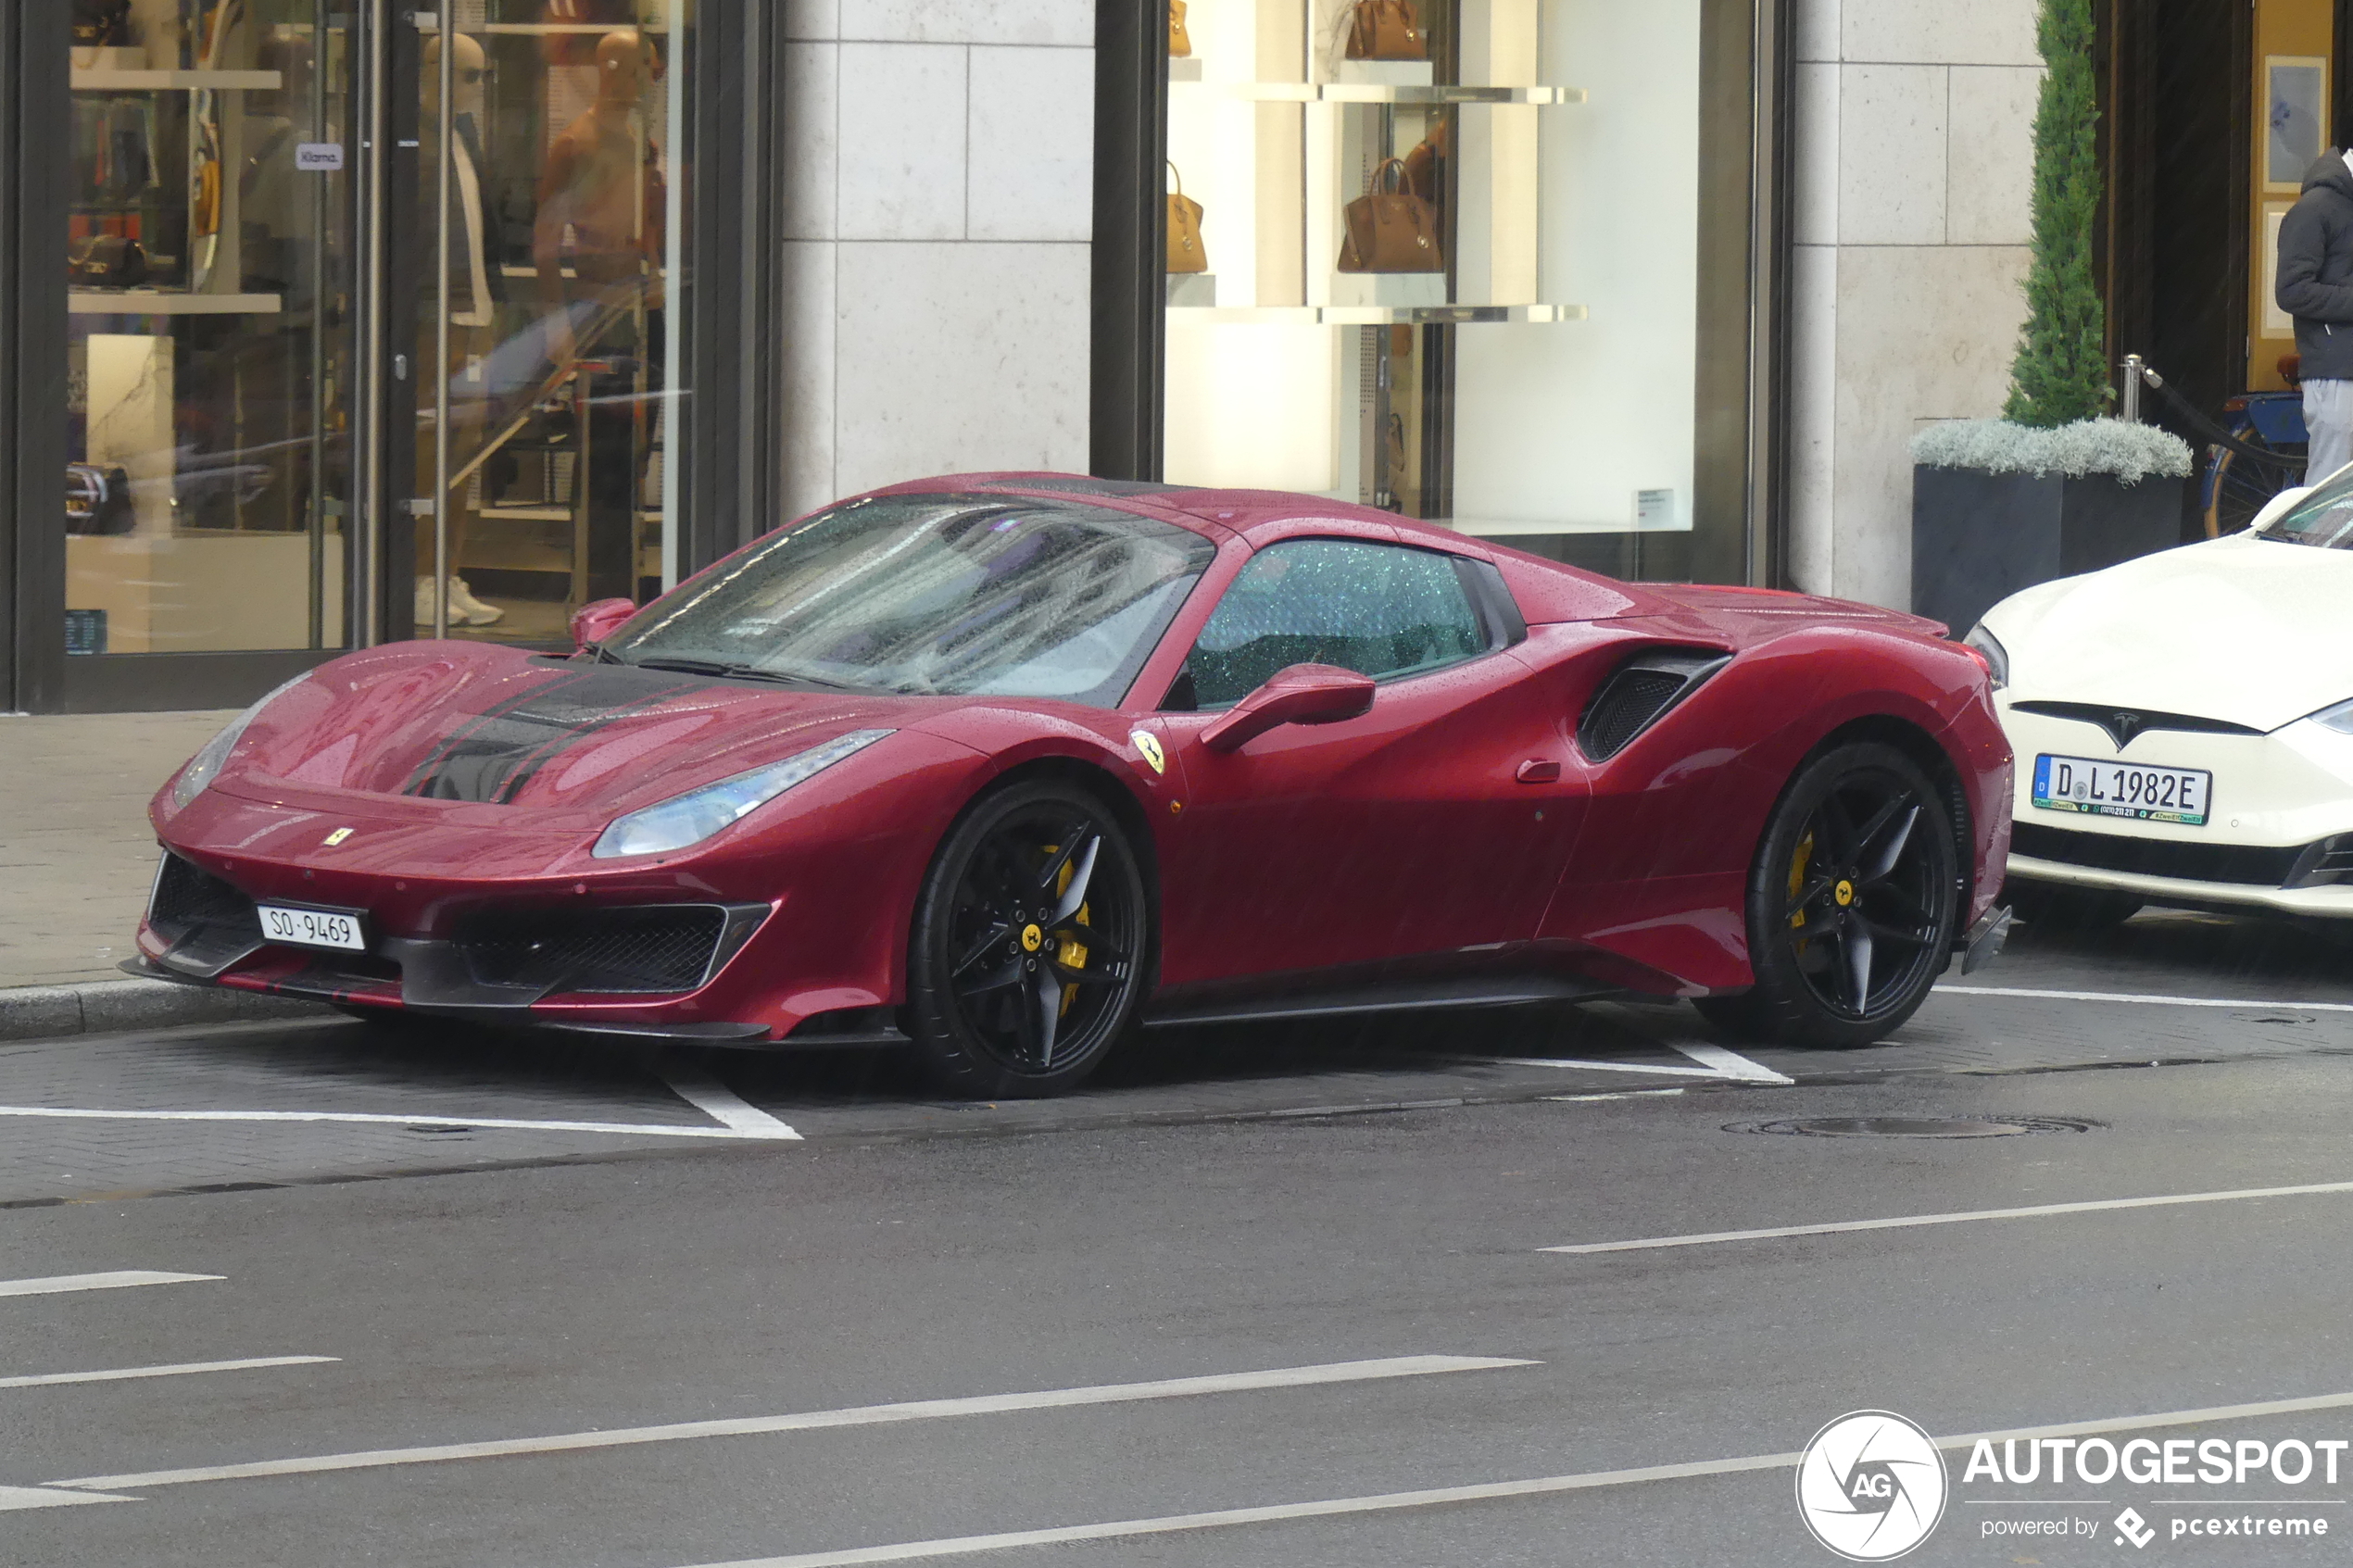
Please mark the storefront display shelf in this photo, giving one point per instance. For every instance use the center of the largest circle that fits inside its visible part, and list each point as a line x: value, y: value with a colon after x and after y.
x: 1377, y: 92
x: 1373, y: 315
x: 104, y: 81
x: 160, y: 302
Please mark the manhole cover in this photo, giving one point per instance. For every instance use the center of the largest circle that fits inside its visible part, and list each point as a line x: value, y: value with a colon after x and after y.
x: 1914, y: 1126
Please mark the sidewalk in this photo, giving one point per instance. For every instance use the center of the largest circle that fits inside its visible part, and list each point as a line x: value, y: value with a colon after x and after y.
x: 76, y: 860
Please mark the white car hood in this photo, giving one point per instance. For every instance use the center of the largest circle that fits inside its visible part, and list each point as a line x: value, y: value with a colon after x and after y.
x: 2253, y: 631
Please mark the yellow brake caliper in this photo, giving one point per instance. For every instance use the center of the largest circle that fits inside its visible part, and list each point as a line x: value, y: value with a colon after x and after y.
x: 1074, y: 954
x: 1797, y: 865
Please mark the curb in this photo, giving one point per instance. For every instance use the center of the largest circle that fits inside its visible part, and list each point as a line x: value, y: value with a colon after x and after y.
x: 101, y: 1006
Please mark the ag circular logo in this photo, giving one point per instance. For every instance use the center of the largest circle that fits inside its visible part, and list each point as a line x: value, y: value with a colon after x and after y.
x: 1871, y: 1486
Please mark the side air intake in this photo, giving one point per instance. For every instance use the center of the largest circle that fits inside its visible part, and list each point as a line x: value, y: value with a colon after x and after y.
x: 1638, y: 693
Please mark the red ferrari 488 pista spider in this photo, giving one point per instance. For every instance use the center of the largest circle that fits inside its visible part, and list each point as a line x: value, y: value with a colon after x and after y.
x: 1004, y: 766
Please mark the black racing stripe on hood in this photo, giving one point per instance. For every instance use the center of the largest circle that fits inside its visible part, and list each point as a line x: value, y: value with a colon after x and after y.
x: 491, y: 759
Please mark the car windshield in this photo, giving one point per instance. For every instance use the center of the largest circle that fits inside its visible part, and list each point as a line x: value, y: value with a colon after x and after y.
x: 2324, y: 518
x: 968, y: 595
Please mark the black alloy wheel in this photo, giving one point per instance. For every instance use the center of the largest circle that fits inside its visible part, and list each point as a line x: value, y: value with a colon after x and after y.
x: 1852, y: 903
x: 1027, y: 959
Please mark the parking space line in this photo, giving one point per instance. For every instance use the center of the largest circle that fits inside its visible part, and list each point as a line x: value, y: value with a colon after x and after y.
x: 360, y: 1118
x: 1714, y: 1061
x: 118, y: 1279
x: 1904, y: 1221
x: 14, y: 1497
x: 1731, y: 1064
x: 182, y: 1368
x: 2135, y: 998
x: 1437, y: 1496
x: 723, y: 1105
x: 864, y: 1415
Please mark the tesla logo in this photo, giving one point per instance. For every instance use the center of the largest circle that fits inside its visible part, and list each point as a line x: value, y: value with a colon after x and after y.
x: 1147, y: 744
x: 337, y: 836
x: 2124, y: 726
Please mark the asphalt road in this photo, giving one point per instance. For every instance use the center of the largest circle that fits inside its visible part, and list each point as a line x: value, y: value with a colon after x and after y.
x: 1273, y: 1297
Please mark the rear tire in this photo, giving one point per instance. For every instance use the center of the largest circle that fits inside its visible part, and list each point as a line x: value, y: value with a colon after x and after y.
x: 2069, y: 908
x: 1852, y: 903
x: 1031, y: 941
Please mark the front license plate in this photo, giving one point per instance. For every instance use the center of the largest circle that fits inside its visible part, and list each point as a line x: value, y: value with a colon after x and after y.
x: 2123, y: 789
x: 312, y: 928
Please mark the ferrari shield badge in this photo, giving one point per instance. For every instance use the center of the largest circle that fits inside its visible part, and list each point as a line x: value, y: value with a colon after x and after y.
x: 337, y: 836
x: 1149, y: 744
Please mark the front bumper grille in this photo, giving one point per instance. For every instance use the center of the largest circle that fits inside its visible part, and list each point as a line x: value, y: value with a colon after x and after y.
x: 2311, y: 865
x: 653, y: 949
x: 188, y: 894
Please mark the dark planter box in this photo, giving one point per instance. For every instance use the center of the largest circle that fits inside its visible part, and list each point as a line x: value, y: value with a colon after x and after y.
x: 1978, y: 537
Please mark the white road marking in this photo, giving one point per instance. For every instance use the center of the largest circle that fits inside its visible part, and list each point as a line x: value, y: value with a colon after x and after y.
x: 1731, y: 1064
x: 1714, y: 1061
x: 370, y: 1119
x: 13, y: 1497
x: 2144, y: 1001
x: 120, y: 1279
x: 721, y: 1104
x: 864, y: 1415
x: 1623, y: 1093
x: 1904, y: 1221
x: 1437, y: 1496
x: 181, y: 1369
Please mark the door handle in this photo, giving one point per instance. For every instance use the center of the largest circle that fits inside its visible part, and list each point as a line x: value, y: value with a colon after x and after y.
x: 1538, y: 770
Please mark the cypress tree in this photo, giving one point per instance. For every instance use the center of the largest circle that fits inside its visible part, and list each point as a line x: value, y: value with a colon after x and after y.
x: 2061, y: 375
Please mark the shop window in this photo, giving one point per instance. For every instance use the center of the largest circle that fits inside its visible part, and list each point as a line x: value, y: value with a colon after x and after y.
x: 1445, y: 258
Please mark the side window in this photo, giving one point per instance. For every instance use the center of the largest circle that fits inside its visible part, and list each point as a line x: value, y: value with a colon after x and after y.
x: 1381, y: 610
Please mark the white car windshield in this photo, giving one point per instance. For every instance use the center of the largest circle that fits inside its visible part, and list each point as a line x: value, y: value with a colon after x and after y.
x: 1000, y: 595
x: 2324, y: 518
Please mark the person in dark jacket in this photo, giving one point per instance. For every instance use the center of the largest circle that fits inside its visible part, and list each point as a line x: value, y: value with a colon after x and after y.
x: 2315, y: 286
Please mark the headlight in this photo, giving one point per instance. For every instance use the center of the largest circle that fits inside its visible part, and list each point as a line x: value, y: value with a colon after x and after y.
x: 695, y: 815
x: 1990, y: 653
x: 207, y: 764
x: 2339, y: 718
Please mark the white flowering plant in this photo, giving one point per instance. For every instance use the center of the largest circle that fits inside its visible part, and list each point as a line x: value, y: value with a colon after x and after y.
x: 2131, y: 452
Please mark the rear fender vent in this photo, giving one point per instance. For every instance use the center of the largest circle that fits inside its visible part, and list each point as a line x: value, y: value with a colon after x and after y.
x: 1639, y: 693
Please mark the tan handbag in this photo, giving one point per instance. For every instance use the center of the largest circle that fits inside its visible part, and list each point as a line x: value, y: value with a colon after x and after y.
x: 1184, y: 252
x: 1180, y: 43
x: 1386, y: 29
x: 1389, y: 228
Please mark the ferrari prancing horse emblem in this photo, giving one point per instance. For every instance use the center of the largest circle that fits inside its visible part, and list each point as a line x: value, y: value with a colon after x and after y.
x: 1149, y: 744
x: 337, y: 836
x: 1032, y: 938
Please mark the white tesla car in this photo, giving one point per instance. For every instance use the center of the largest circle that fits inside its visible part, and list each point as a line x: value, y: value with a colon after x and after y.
x: 2184, y: 723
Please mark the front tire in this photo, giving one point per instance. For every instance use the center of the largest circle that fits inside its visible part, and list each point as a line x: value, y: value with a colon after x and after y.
x: 1852, y: 903
x: 1026, y: 963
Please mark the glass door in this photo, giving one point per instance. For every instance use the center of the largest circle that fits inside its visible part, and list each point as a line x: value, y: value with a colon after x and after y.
x: 550, y: 229
x: 209, y: 296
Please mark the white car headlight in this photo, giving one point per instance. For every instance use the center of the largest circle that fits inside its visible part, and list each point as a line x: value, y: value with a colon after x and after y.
x: 207, y: 764
x: 2339, y: 718
x: 1989, y: 648
x: 696, y: 815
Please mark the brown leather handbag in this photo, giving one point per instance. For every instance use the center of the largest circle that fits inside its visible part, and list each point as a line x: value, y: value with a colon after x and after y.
x: 1184, y: 252
x: 1389, y: 228
x: 1386, y: 29
x: 1180, y: 43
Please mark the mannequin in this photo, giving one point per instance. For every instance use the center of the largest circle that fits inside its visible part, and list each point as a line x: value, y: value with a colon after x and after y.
x: 599, y: 222
x: 473, y: 295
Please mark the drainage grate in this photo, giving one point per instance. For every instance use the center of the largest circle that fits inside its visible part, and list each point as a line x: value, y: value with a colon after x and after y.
x: 1915, y: 1126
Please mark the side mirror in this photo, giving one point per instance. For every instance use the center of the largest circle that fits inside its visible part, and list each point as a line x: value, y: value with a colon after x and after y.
x: 594, y: 623
x: 1304, y: 694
